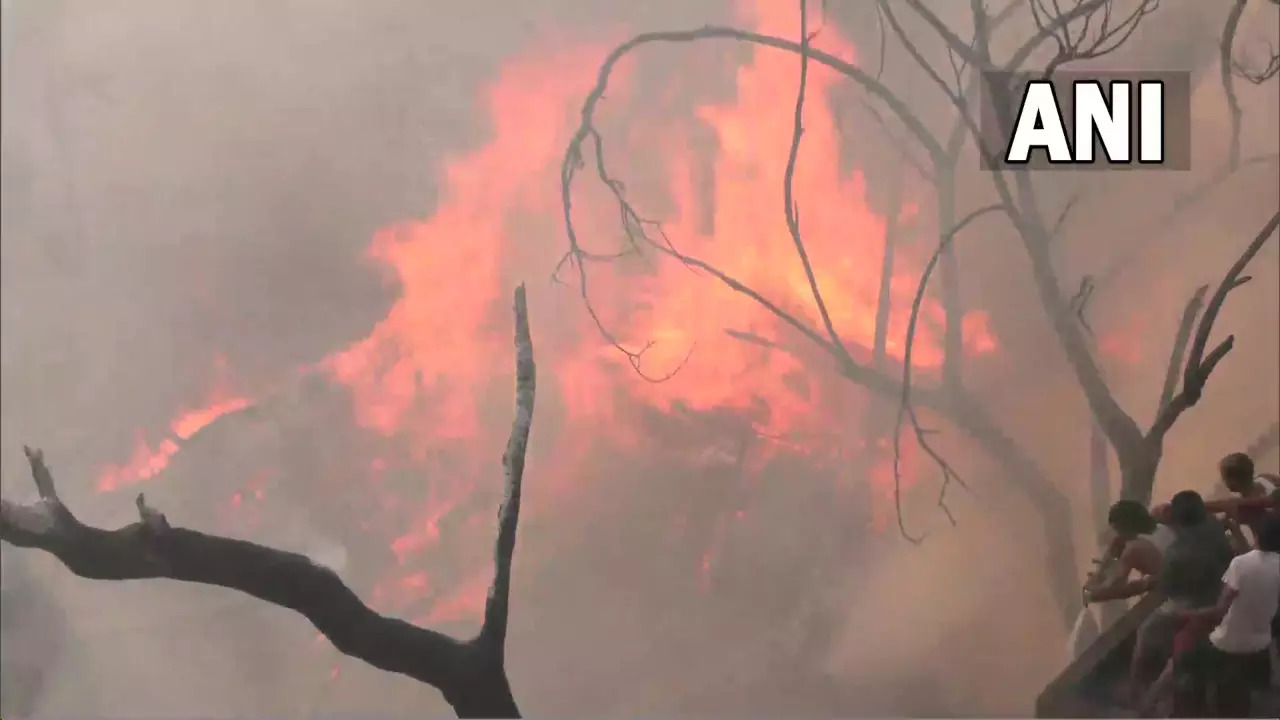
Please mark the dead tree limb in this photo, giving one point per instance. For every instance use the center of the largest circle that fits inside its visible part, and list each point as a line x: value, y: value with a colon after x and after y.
x: 493, y: 634
x: 905, y: 406
x: 470, y: 674
x: 1200, y: 364
x: 1180, y: 341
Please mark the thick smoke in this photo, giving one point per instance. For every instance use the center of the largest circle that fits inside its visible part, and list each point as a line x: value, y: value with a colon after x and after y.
x: 187, y: 181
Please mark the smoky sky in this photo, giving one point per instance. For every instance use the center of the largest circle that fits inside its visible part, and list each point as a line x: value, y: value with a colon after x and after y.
x: 190, y: 190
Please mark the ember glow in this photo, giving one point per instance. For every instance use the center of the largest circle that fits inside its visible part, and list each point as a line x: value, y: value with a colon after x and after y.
x: 426, y: 377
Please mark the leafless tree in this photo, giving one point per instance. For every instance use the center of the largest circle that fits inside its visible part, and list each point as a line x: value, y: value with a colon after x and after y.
x: 471, y: 674
x: 1077, y: 29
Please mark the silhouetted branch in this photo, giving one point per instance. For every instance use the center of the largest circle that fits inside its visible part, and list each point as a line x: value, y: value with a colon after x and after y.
x: 470, y: 674
x: 1036, y: 235
x: 905, y: 407
x: 493, y: 633
x: 636, y: 228
x: 1187, y: 324
x: 790, y: 208
x: 1200, y: 365
x: 1079, y: 303
x: 1085, y: 45
x: 1267, y: 70
x: 1226, y: 63
x: 1048, y: 28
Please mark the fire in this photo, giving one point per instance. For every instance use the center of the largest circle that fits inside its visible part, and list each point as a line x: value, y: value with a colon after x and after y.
x: 426, y: 375
x: 150, y: 459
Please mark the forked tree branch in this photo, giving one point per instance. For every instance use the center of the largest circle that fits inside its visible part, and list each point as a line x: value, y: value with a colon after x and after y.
x: 1201, y: 361
x: 470, y: 674
x: 1032, y: 229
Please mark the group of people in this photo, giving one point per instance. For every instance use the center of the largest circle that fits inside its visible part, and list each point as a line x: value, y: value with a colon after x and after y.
x: 1207, y: 649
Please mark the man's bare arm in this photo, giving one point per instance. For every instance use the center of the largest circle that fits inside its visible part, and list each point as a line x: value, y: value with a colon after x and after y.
x: 1234, y: 504
x: 1121, y: 587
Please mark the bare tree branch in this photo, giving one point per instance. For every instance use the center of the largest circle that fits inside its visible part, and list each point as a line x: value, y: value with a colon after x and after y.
x: 1185, y: 327
x: 1266, y: 70
x: 790, y: 209
x: 471, y: 674
x: 953, y: 402
x: 634, y: 225
x: 1200, y: 365
x: 1049, y: 28
x: 493, y: 633
x: 1084, y: 45
x: 1121, y: 429
x: 1226, y: 63
x: 905, y: 407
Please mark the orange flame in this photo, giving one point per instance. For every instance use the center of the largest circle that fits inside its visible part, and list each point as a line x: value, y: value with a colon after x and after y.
x: 149, y: 460
x: 427, y: 371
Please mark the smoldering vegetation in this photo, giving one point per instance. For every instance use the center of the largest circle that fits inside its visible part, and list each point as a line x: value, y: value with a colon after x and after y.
x: 189, y: 191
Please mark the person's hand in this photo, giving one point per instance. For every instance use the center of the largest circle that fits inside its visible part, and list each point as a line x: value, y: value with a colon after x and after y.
x: 1232, y: 523
x: 1161, y: 513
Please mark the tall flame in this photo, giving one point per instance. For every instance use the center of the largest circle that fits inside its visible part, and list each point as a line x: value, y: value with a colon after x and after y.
x: 425, y: 375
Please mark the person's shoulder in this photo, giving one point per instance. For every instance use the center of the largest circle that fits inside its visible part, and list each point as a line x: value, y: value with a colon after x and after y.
x: 1139, y: 546
x: 1255, y: 560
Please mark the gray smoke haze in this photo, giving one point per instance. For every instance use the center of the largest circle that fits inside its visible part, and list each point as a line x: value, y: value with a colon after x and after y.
x: 186, y: 181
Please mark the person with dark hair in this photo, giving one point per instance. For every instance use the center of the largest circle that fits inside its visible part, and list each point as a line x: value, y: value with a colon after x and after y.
x: 1139, y: 546
x: 1190, y: 577
x: 1187, y: 509
x: 1235, y: 659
